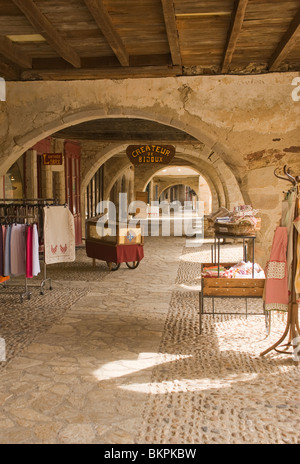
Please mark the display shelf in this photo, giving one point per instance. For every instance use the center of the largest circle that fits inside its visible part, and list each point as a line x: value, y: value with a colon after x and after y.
x: 218, y: 287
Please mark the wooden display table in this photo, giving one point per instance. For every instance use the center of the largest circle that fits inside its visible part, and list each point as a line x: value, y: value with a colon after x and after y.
x: 218, y: 287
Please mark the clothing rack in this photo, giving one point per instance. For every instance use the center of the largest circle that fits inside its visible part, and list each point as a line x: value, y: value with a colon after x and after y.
x: 20, y: 211
x: 292, y: 330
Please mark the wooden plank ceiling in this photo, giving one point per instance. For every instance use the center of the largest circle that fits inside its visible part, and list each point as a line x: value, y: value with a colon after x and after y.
x: 94, y: 39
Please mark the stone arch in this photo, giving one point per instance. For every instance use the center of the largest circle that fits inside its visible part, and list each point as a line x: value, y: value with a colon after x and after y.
x: 46, y: 125
x: 214, y: 183
x: 20, y: 143
x: 114, y: 179
x: 173, y: 184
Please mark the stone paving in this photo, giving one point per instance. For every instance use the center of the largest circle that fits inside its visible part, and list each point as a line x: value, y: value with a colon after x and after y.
x: 124, y: 363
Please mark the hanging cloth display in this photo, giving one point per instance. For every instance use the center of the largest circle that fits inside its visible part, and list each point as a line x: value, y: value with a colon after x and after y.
x: 29, y: 274
x: 288, y: 211
x: 1, y: 252
x: 18, y: 250
x: 36, y: 269
x: 7, y: 251
x: 276, y: 294
x: 59, y: 235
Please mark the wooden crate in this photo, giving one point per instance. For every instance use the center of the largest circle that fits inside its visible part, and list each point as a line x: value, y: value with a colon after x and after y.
x: 221, y: 287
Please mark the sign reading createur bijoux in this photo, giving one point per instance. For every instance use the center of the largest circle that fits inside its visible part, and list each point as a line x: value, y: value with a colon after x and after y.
x: 52, y: 159
x: 150, y: 154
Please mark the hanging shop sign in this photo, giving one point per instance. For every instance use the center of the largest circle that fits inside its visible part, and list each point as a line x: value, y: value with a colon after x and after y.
x: 150, y: 154
x: 52, y: 159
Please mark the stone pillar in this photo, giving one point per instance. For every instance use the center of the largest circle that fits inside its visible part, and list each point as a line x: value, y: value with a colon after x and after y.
x: 181, y: 189
x: 1, y: 186
x: 151, y: 192
x: 60, y: 193
x: 131, y: 185
x: 47, y: 182
x: 204, y: 195
x: 31, y: 179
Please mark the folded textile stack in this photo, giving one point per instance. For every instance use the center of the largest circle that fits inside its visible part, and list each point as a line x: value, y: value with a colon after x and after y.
x: 241, y: 221
x: 244, y: 214
x: 241, y: 270
x: 213, y: 271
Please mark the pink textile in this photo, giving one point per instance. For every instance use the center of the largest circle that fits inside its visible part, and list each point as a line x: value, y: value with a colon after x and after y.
x: 29, y: 274
x: 276, y: 287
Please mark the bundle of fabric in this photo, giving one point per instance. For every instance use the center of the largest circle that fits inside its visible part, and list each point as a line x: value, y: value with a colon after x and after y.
x: 241, y: 270
x: 213, y: 271
x: 244, y: 215
x: 19, y: 251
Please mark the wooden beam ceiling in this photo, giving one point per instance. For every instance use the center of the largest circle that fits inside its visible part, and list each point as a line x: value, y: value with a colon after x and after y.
x: 286, y: 44
x: 8, y: 72
x: 111, y: 39
x: 43, y: 26
x: 105, y: 24
x: 14, y: 53
x: 117, y: 72
x: 238, y: 16
x: 172, y: 33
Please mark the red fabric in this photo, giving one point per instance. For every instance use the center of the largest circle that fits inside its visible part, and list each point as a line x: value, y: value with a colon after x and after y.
x: 115, y: 253
x: 29, y: 253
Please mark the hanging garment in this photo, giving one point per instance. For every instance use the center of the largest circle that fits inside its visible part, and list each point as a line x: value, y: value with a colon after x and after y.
x: 29, y: 274
x: 297, y: 276
x: 287, y: 218
x: 18, y: 250
x: 1, y: 253
x: 7, y: 251
x: 36, y: 269
x: 276, y: 294
x: 3, y: 246
x: 59, y: 235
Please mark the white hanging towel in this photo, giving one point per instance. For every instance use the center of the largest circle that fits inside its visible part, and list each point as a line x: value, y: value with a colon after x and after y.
x: 36, y: 269
x: 59, y: 235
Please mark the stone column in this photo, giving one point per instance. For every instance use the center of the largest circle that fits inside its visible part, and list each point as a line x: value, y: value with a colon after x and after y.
x: 47, y: 182
x: 31, y: 179
x: 1, y: 186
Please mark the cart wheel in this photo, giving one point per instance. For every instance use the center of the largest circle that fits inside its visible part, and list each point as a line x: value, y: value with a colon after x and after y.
x: 133, y: 265
x: 114, y: 266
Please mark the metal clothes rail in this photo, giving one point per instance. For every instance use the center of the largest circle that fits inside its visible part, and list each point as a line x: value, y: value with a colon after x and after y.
x: 27, y: 211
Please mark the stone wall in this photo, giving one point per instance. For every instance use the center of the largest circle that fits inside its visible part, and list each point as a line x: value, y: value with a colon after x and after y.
x: 247, y: 126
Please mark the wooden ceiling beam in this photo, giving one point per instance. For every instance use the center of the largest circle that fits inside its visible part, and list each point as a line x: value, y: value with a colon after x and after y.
x: 172, y: 32
x: 236, y: 25
x: 14, y: 53
x: 101, y: 62
x: 117, y: 72
x: 105, y: 24
x: 286, y: 44
x: 8, y: 72
x: 44, y: 27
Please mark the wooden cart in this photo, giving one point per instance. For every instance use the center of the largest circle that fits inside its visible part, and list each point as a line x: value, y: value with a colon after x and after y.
x: 114, y: 244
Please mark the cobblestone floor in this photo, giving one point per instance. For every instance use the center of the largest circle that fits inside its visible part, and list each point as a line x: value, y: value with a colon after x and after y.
x: 117, y: 358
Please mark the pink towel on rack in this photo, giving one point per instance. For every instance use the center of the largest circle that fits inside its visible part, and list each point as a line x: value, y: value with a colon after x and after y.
x: 18, y: 250
x: 276, y: 287
x: 29, y: 274
x: 36, y: 269
x: 59, y: 235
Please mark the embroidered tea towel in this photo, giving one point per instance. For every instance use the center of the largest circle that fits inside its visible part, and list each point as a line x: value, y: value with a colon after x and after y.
x: 276, y: 285
x: 59, y: 235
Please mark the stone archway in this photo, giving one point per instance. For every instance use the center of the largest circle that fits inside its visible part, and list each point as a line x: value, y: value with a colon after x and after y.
x: 59, y: 109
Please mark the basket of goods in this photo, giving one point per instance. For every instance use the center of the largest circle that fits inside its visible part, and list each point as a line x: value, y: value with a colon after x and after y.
x: 242, y: 221
x: 222, y: 212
